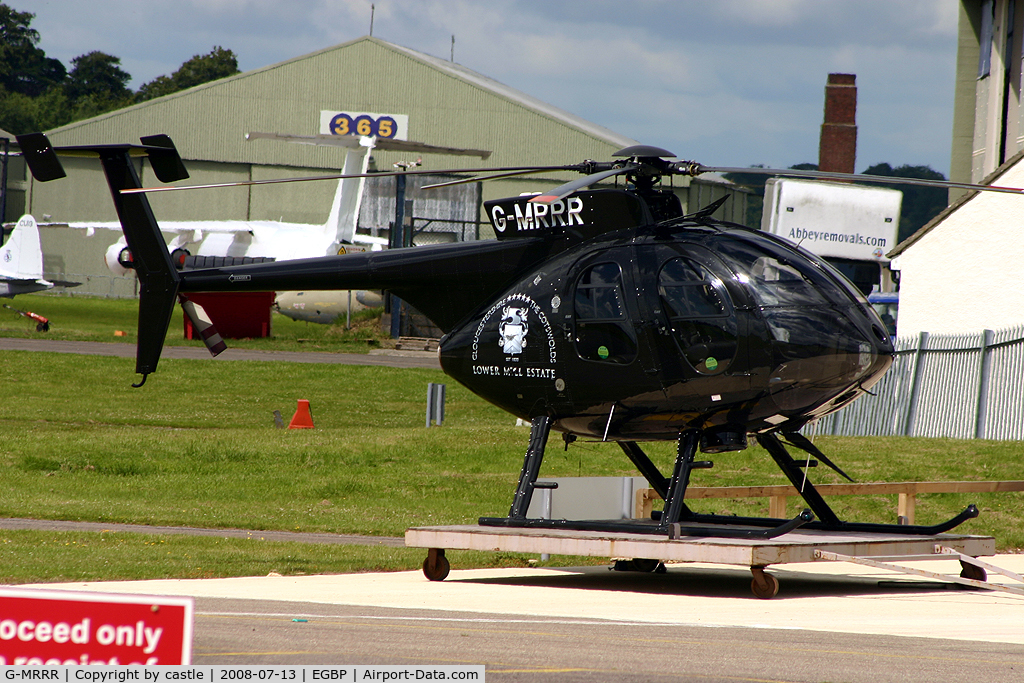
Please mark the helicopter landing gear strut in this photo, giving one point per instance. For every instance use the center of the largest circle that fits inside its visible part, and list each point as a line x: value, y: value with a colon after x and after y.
x: 675, y: 522
x: 540, y: 429
x: 828, y: 520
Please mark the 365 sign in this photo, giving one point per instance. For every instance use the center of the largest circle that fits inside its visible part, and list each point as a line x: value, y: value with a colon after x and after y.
x: 389, y: 126
x: 52, y: 627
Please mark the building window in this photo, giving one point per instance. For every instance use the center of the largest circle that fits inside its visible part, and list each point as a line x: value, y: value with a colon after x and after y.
x: 985, y: 39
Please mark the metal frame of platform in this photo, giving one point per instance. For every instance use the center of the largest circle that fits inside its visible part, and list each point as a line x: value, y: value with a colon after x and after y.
x: 796, y: 546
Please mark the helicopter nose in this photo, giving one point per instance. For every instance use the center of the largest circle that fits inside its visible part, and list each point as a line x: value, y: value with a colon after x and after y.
x: 824, y: 354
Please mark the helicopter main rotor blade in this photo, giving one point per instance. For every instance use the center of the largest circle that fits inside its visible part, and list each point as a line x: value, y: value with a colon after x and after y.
x: 351, y: 141
x: 273, y: 181
x: 697, y: 169
x: 565, y: 190
x: 479, y: 178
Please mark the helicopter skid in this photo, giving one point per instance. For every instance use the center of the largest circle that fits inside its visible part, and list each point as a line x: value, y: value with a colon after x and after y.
x: 970, y: 512
x: 740, y: 530
x: 677, y: 520
x: 721, y: 526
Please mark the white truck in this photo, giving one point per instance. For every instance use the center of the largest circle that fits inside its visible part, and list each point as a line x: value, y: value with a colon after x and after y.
x: 851, y: 226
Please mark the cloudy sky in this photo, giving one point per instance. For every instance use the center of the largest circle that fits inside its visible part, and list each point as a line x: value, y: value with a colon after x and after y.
x: 725, y: 82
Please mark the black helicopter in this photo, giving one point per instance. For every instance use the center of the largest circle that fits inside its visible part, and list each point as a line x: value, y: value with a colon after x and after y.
x: 603, y: 314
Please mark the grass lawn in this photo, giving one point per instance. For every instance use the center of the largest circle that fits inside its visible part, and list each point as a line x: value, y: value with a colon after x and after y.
x: 197, y: 446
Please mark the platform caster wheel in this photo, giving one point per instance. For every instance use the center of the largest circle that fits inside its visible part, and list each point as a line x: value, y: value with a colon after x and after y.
x: 644, y: 564
x: 640, y: 564
x: 972, y: 571
x: 764, y: 586
x: 436, y: 566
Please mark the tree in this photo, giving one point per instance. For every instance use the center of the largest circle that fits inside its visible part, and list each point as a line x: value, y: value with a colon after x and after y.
x: 24, y: 68
x: 38, y: 93
x: 219, y: 63
x: 95, y: 85
x: 23, y: 114
x: 97, y: 75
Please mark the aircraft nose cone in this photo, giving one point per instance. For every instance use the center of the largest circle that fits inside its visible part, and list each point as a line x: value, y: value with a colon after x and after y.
x: 825, y: 354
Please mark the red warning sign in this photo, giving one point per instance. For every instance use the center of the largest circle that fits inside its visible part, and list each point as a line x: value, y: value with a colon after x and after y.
x: 53, y: 627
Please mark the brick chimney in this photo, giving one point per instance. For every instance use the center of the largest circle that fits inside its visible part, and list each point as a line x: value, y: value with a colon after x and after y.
x: 837, y: 150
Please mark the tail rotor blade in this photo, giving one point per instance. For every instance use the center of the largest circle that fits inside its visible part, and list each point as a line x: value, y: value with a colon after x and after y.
x: 201, y: 321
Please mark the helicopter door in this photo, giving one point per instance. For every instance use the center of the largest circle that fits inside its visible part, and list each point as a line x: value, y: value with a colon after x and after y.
x: 700, y: 318
x: 603, y: 332
x: 699, y: 330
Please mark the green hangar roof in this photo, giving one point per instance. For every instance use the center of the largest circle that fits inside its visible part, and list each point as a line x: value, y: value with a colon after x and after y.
x: 446, y: 104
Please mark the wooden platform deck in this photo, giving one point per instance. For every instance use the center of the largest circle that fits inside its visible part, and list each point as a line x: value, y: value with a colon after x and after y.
x: 796, y: 546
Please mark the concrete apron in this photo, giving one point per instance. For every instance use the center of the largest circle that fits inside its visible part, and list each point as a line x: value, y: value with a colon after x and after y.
x: 820, y: 596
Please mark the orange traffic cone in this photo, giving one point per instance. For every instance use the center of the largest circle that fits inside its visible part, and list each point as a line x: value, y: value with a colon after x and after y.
x: 302, y: 419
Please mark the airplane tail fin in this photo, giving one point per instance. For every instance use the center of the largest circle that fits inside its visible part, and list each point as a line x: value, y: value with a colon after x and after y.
x: 158, y: 278
x: 21, y: 256
x: 341, y: 225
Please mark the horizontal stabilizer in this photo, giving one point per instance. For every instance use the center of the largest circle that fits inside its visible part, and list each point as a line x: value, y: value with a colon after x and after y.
x: 40, y: 157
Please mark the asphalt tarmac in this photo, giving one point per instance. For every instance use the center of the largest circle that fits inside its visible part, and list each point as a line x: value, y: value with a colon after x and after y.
x: 390, y: 358
x: 696, y: 622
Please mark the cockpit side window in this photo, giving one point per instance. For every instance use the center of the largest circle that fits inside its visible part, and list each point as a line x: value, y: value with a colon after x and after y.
x: 699, y: 315
x: 688, y: 292
x: 776, y: 283
x: 803, y: 307
x: 779, y: 279
x: 603, y: 331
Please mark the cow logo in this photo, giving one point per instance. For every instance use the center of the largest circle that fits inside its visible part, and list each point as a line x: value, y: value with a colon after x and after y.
x: 512, y: 330
x: 506, y: 326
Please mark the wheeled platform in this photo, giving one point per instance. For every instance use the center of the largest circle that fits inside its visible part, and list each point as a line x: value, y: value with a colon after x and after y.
x: 651, y: 550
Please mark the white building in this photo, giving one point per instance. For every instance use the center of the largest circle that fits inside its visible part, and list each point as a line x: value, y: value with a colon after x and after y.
x: 964, y: 271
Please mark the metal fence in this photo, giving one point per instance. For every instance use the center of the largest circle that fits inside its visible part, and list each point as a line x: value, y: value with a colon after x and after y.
x: 958, y: 386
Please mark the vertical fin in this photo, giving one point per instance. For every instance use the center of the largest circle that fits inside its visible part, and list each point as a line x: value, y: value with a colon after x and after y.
x: 40, y: 157
x: 341, y: 225
x: 21, y: 257
x: 158, y: 279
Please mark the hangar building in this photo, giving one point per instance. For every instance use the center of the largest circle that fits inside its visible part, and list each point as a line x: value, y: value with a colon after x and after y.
x: 428, y: 99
